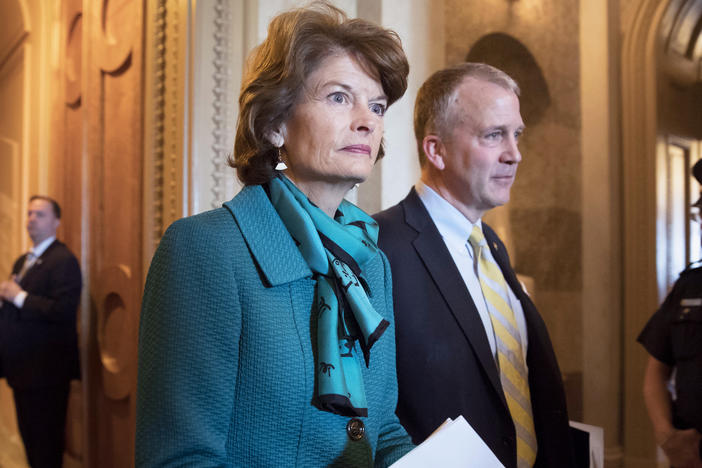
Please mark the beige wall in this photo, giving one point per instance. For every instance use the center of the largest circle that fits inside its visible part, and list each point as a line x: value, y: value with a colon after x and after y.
x: 601, y: 201
x: 545, y: 214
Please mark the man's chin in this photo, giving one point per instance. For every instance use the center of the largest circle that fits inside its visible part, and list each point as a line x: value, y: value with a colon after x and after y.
x: 499, y: 201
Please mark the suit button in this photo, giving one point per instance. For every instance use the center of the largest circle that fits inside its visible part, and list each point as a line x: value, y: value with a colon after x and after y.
x: 355, y: 429
x: 506, y: 441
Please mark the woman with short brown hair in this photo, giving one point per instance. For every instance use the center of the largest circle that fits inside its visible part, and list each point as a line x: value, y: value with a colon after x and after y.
x: 278, y: 68
x: 267, y: 335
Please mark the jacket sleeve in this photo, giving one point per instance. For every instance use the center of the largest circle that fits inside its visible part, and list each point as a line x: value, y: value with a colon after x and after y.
x: 188, y: 350
x: 59, y: 302
x: 393, y: 440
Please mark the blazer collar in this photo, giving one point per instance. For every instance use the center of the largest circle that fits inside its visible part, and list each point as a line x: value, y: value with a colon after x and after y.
x: 431, y: 249
x: 268, y: 239
x: 416, y: 215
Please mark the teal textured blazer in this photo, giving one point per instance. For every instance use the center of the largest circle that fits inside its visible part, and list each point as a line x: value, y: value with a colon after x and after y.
x: 227, y: 351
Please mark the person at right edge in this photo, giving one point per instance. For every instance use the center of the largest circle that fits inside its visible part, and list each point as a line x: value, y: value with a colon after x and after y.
x: 469, y: 340
x: 673, y: 339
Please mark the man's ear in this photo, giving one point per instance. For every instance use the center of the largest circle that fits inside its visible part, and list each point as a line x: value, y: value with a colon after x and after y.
x: 434, y: 151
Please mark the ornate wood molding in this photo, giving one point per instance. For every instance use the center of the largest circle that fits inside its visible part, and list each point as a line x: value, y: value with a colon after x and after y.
x: 222, y: 104
x: 154, y: 119
x: 165, y: 106
x: 174, y: 108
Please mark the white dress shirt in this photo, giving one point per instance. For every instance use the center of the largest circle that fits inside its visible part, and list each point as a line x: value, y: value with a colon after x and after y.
x: 455, y: 230
x: 37, y: 252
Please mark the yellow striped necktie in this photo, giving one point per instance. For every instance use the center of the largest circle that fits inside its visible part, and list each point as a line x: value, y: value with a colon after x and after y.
x: 510, y: 359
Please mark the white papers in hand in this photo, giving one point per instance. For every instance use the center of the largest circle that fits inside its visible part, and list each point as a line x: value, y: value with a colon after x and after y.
x: 453, y: 445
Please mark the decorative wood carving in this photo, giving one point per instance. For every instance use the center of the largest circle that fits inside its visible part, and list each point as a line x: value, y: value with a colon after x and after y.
x: 166, y: 39
x: 113, y: 102
x: 72, y: 70
x: 67, y: 167
x: 174, y: 109
x: 159, y: 102
x: 222, y: 102
x: 117, y: 331
x: 67, y: 184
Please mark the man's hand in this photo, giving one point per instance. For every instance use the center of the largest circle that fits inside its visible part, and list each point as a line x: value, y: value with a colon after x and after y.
x: 683, y: 448
x: 9, y: 289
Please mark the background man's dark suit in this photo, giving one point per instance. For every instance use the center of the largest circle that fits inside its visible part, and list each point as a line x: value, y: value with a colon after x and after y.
x: 444, y: 363
x: 38, y: 345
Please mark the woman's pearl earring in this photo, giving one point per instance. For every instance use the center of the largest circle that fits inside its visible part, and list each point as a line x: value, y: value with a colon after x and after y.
x: 277, y: 140
x: 281, y: 166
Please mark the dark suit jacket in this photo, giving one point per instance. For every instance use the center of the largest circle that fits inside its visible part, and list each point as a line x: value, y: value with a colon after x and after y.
x: 38, y: 343
x: 444, y: 363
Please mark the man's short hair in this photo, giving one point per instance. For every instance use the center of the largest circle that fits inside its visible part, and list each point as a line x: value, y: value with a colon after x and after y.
x: 432, y: 109
x: 54, y: 204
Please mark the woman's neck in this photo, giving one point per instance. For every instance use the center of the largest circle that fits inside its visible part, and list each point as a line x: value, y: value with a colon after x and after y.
x: 326, y: 196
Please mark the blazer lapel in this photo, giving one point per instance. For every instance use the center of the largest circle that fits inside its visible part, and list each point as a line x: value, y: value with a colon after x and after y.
x: 268, y: 239
x: 36, y: 266
x: 433, y: 252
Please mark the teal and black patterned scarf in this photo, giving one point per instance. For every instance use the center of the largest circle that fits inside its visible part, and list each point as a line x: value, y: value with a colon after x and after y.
x: 335, y: 250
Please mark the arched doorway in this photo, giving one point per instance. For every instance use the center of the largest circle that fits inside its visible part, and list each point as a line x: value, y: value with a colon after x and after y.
x: 645, y: 160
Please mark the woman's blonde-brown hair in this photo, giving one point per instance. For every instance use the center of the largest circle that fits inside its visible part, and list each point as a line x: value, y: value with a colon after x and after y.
x: 297, y: 43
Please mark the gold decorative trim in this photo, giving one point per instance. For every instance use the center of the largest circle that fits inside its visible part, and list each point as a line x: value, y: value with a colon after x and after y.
x: 154, y: 125
x: 166, y: 60
x: 159, y: 90
x: 174, y: 104
x: 221, y: 105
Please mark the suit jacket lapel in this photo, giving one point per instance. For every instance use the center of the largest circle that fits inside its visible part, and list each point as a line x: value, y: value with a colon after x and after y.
x: 268, y: 239
x: 34, y: 268
x: 433, y: 252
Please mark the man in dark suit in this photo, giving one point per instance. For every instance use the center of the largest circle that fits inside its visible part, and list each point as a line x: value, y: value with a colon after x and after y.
x: 469, y: 340
x: 38, y: 339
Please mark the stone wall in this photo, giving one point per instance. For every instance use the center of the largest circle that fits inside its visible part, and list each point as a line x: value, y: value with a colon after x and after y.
x: 544, y: 214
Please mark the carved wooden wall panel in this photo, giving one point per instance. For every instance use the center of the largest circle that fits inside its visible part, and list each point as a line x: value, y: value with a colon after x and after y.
x: 114, y: 116
x: 67, y: 169
x: 67, y: 182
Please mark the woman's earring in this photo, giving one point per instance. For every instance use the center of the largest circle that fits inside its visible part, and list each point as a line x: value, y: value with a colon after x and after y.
x: 276, y: 139
x: 281, y: 166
